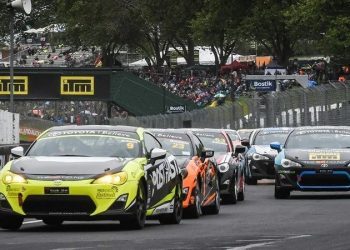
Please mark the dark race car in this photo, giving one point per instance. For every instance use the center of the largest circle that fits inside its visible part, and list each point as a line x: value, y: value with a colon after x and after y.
x: 229, y: 164
x: 260, y: 157
x: 200, y: 182
x: 313, y: 159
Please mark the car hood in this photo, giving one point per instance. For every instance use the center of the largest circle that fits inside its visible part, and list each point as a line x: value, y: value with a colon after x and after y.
x: 316, y: 157
x: 67, y: 166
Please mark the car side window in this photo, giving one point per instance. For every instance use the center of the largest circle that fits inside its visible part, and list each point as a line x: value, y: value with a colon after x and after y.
x: 198, y: 146
x: 151, y: 142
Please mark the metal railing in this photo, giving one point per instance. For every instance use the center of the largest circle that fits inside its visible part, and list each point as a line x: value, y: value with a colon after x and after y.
x: 327, y: 104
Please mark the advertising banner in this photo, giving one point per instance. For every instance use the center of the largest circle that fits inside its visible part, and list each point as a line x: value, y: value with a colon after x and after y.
x: 262, y: 85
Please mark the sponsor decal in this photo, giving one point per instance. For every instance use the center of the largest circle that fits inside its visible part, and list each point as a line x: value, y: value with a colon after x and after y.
x: 323, y: 131
x: 77, y: 85
x: 20, y: 85
x: 90, y: 132
x: 164, y: 173
x: 103, y: 193
x: 169, y: 136
x: 326, y: 156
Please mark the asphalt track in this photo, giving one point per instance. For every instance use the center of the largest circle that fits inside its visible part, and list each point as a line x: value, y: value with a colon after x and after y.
x: 306, y: 221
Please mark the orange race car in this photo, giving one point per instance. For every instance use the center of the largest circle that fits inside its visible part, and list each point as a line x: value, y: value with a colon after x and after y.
x: 200, y: 182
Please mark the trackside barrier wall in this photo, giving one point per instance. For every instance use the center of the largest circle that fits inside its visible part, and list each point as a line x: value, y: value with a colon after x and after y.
x: 327, y: 104
x: 9, y: 127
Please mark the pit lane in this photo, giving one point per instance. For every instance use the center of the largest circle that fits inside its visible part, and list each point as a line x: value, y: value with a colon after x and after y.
x: 306, y: 221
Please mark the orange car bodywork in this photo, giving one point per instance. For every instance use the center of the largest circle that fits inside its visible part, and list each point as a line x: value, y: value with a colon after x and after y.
x: 201, y: 173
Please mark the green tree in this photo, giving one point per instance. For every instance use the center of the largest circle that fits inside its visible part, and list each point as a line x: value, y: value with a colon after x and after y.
x: 218, y: 24
x: 268, y: 24
x: 327, y: 24
x: 105, y: 24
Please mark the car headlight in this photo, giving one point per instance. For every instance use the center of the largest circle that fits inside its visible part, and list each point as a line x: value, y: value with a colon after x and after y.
x: 289, y: 164
x: 10, y: 178
x: 115, y: 179
x: 223, y: 167
x: 259, y: 157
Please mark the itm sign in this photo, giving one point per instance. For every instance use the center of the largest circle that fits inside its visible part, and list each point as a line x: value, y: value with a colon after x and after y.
x: 176, y: 109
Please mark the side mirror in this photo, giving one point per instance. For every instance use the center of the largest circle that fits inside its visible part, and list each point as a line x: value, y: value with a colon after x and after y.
x: 239, y: 149
x: 207, y: 153
x: 157, y: 154
x: 17, y: 152
x: 245, y: 143
x: 276, y: 146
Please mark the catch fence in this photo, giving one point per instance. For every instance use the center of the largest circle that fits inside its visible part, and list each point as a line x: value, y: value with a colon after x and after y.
x: 327, y: 104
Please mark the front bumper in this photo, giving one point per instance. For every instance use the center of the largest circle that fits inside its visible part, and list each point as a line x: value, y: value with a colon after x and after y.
x: 226, y: 181
x: 81, y: 199
x: 312, y: 179
x: 262, y: 169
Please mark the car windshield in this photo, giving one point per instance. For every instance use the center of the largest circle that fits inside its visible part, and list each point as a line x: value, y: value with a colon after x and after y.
x: 244, y: 134
x: 325, y: 138
x: 175, y: 143
x: 233, y: 135
x: 214, y: 140
x: 266, y: 137
x: 92, y: 144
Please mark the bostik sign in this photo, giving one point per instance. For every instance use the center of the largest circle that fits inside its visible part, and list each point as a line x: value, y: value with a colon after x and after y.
x: 263, y: 85
x: 176, y: 109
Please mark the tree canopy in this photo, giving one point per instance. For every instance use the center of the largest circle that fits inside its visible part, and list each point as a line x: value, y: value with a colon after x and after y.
x: 282, y: 28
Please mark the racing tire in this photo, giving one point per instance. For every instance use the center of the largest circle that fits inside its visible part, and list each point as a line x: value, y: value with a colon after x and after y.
x: 176, y: 216
x: 240, y: 195
x: 53, y: 222
x: 10, y: 222
x: 195, y: 210
x: 137, y: 220
x: 215, y: 207
x: 281, y: 193
x: 232, y: 197
x: 252, y: 181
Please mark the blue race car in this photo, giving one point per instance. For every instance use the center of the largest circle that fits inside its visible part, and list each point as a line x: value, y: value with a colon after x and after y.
x: 313, y: 159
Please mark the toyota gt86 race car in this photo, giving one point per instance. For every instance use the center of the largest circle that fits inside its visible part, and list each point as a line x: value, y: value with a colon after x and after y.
x: 313, y: 159
x: 91, y: 173
x: 230, y: 168
x: 200, y: 182
x: 260, y: 157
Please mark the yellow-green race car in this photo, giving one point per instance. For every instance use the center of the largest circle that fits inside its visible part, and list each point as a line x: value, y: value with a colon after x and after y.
x: 91, y: 173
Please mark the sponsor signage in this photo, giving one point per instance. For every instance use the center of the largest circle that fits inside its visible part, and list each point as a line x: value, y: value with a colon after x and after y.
x: 45, y: 86
x: 263, y: 85
x: 176, y: 109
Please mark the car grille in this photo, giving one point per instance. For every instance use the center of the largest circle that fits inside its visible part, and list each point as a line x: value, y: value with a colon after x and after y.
x: 58, y: 205
x: 324, y: 180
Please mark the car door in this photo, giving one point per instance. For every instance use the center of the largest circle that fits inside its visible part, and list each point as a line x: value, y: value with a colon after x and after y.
x: 206, y: 166
x: 159, y: 173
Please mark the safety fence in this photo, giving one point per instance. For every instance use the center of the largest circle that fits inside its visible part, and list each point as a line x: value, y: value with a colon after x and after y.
x: 327, y: 104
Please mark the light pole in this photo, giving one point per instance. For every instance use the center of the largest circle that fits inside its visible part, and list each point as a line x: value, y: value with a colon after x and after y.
x: 26, y: 6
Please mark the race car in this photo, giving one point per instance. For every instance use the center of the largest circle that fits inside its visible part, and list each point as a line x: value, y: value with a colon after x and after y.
x: 200, y: 183
x: 260, y: 157
x: 230, y: 168
x: 91, y: 173
x: 313, y: 159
